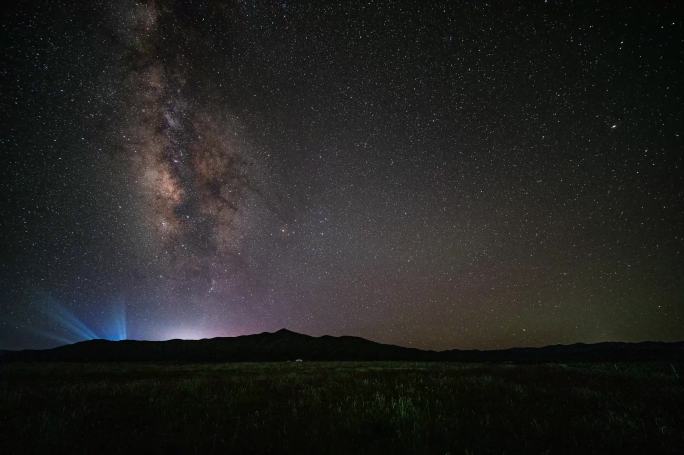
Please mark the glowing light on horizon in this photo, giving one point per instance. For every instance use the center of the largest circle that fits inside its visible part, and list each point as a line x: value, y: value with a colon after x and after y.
x: 116, y: 327
x: 66, y: 327
x: 185, y: 333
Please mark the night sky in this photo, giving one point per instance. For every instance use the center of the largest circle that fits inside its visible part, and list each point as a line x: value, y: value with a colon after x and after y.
x: 433, y: 174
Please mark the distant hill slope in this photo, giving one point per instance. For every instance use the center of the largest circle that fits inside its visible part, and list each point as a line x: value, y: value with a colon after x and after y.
x: 286, y: 345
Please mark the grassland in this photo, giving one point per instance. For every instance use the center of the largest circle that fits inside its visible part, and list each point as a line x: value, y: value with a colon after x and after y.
x: 341, y: 408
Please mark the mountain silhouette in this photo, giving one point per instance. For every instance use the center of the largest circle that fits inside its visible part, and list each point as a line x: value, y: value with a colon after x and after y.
x: 287, y: 345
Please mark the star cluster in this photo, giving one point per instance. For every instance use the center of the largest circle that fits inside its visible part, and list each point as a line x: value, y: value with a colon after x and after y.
x: 434, y: 174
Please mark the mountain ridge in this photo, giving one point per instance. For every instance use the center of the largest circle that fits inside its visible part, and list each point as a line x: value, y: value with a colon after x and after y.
x: 285, y: 345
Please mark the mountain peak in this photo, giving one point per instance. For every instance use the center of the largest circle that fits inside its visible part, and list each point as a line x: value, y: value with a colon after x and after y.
x: 285, y: 331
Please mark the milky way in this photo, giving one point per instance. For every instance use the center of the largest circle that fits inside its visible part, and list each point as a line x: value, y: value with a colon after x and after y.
x: 197, y: 178
x: 455, y: 174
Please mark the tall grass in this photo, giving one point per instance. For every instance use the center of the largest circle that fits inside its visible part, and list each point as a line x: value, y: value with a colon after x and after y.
x: 340, y: 408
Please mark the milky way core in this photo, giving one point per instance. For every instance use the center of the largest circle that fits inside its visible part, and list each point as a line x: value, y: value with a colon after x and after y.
x: 197, y: 178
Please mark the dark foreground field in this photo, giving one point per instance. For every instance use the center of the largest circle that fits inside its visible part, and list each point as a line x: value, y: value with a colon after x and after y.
x: 341, y: 408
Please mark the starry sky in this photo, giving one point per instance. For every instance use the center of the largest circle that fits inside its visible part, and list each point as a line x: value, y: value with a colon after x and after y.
x: 462, y: 174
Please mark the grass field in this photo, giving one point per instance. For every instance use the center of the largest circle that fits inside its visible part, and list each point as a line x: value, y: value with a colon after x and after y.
x: 308, y: 407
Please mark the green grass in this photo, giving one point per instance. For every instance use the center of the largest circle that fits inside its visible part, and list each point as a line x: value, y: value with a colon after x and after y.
x: 342, y: 407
